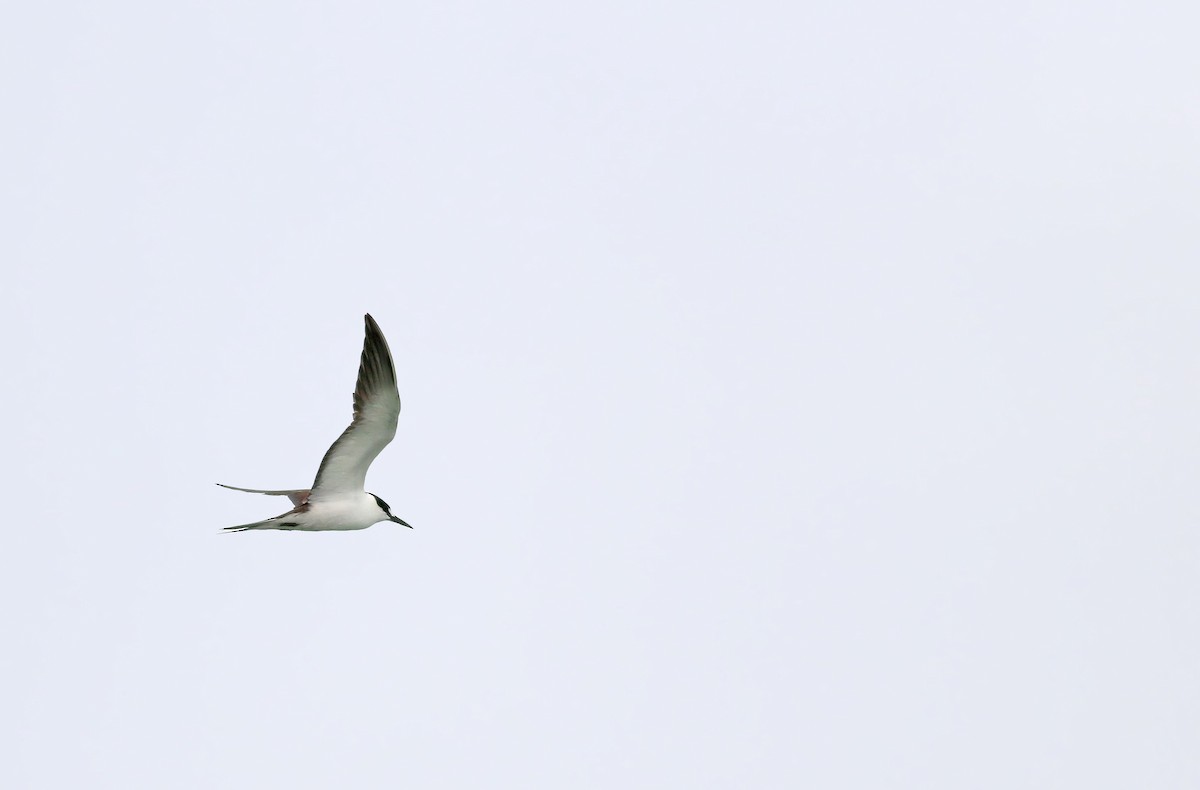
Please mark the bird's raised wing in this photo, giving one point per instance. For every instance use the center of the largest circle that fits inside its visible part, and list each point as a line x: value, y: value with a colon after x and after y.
x: 376, y: 408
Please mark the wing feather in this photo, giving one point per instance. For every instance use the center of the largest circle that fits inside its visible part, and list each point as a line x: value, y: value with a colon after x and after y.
x: 376, y: 410
x: 297, y: 496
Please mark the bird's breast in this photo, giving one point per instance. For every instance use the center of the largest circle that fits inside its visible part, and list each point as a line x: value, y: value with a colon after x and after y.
x: 349, y: 512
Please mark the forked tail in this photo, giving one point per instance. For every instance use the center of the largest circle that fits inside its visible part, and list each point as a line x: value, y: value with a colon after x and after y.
x: 299, y: 498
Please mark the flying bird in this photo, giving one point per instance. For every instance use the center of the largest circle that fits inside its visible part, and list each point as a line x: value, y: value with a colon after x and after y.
x: 338, y: 499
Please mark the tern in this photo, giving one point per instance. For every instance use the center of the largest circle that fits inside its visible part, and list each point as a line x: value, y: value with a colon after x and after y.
x: 337, y: 499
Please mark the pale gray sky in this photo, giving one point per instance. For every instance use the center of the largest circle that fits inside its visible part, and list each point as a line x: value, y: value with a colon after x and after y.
x: 794, y: 395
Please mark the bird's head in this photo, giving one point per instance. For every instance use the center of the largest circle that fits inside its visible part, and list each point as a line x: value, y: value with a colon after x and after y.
x: 387, y: 512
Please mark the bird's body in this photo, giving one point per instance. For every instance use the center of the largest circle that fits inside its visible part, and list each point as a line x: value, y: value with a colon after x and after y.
x: 337, y: 500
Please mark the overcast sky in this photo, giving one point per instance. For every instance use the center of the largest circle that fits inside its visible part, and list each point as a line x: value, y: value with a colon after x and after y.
x: 795, y: 395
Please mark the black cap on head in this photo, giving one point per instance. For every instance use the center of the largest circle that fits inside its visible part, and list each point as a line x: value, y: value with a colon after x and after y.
x: 387, y: 510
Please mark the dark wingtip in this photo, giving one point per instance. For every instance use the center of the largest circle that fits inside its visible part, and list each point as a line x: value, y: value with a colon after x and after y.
x: 373, y: 332
x: 375, y: 365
